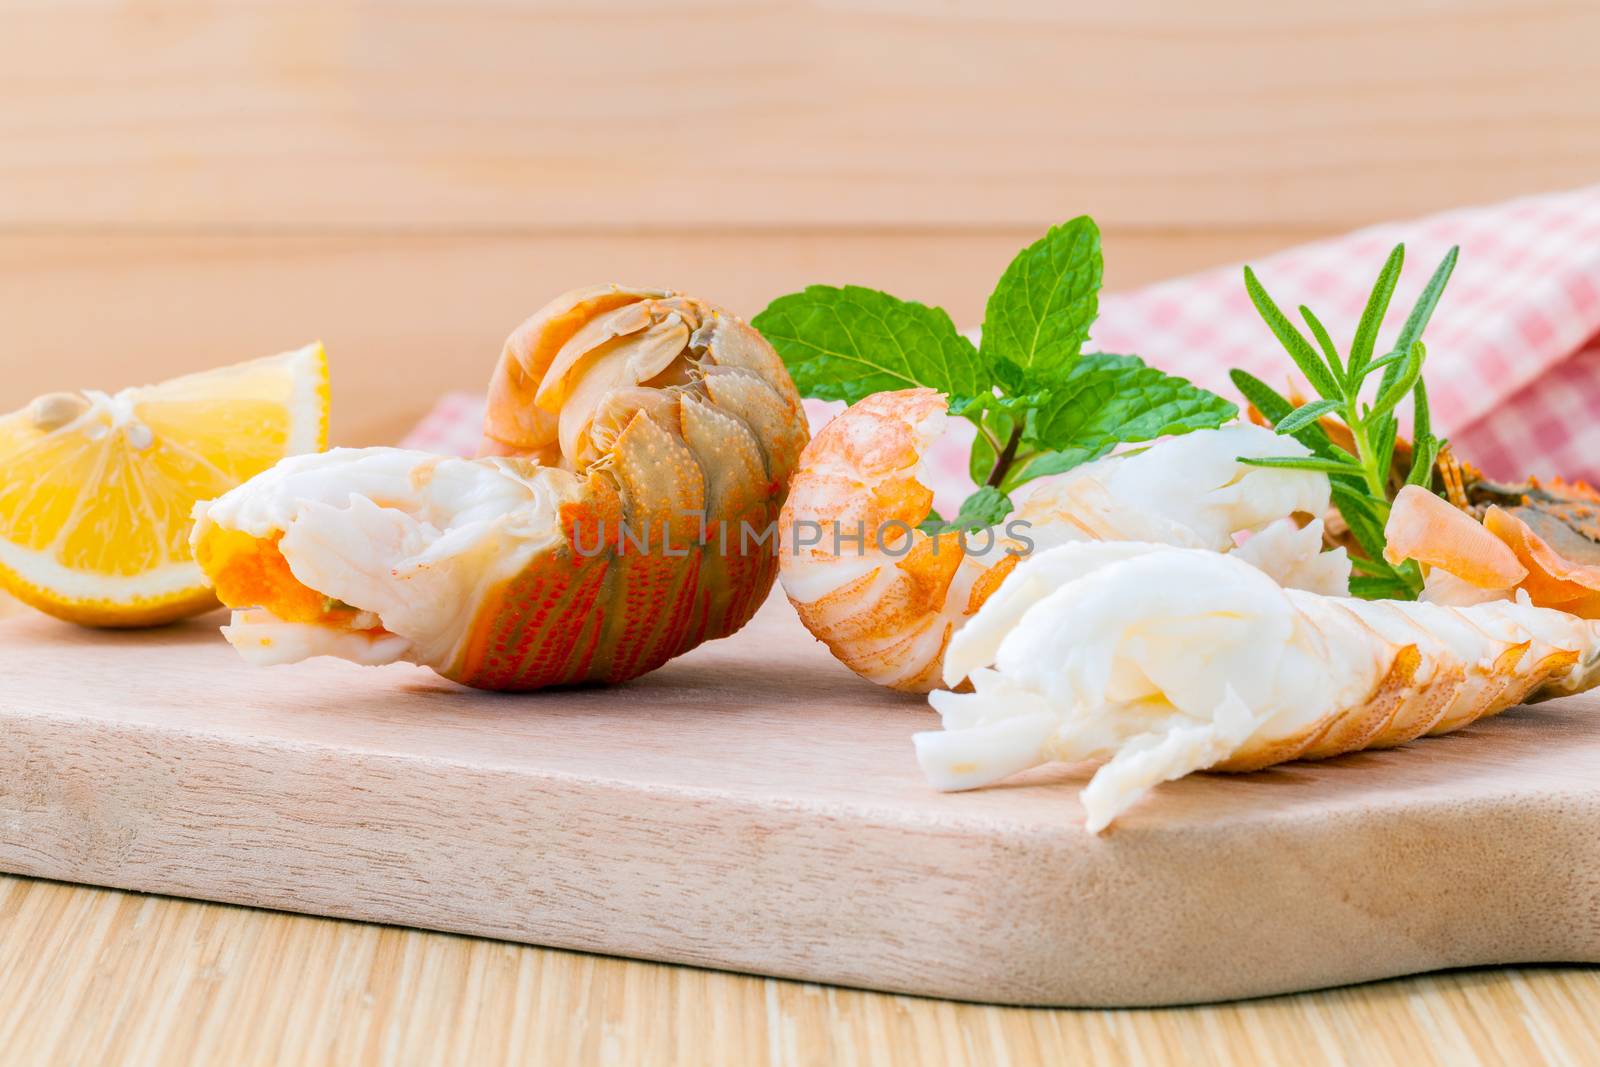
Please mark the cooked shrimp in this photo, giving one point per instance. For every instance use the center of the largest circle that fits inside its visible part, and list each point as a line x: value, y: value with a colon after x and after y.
x: 1161, y: 661
x: 883, y: 595
x: 644, y: 443
x: 886, y: 597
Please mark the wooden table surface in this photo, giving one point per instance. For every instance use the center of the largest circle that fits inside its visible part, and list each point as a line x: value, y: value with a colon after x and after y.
x: 97, y: 976
x: 184, y: 185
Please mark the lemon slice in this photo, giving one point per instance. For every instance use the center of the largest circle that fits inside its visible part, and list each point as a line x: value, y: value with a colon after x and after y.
x: 96, y: 489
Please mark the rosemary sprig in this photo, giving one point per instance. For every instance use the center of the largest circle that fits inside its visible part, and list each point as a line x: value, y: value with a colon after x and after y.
x: 1360, y: 464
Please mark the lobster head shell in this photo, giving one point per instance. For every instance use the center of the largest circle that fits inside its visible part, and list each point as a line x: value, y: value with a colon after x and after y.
x: 638, y: 446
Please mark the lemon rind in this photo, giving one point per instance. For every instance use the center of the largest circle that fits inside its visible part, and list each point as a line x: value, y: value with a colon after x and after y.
x: 175, y: 588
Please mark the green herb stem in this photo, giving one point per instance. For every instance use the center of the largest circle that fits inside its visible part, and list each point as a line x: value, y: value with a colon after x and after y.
x: 1361, y: 479
x: 1368, y: 458
x: 1372, y: 463
x: 988, y: 435
x: 1018, y: 474
x: 1003, y: 461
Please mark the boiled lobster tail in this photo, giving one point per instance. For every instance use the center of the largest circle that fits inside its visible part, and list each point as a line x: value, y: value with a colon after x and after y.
x: 638, y: 447
x: 1160, y: 661
x: 685, y: 429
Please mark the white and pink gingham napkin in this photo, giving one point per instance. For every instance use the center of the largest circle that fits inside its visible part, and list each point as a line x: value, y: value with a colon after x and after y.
x: 1513, y: 347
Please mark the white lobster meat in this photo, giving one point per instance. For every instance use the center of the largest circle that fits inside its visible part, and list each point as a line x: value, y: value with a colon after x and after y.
x: 1160, y: 661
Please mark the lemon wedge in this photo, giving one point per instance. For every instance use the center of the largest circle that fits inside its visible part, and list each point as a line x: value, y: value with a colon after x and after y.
x: 96, y: 489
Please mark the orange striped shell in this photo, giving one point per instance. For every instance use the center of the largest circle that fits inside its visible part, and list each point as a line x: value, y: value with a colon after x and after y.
x: 648, y: 439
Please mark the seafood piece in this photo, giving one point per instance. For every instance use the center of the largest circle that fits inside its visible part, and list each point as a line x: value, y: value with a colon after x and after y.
x: 886, y: 597
x: 1563, y: 566
x: 1296, y: 557
x: 1190, y: 489
x: 883, y: 595
x: 1496, y: 541
x: 644, y: 444
x: 1434, y: 532
x: 1161, y: 661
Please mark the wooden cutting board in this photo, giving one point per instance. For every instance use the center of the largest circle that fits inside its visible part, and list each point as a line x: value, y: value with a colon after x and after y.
x: 754, y: 806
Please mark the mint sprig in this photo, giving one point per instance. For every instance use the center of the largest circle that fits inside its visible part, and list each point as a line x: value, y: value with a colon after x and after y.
x: 1086, y: 408
x: 1039, y: 314
x: 985, y: 508
x: 848, y: 343
x: 1362, y: 475
x: 1040, y: 404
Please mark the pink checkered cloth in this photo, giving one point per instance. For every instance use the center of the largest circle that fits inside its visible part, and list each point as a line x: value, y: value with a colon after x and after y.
x: 1513, y: 347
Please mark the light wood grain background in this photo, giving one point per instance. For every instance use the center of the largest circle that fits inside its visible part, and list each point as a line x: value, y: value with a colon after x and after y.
x: 186, y: 184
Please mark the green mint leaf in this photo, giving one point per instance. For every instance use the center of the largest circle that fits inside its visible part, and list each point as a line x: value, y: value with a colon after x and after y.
x: 1096, y: 403
x: 1039, y: 314
x: 1042, y: 464
x: 985, y: 508
x: 1091, y: 406
x: 1031, y: 465
x: 1317, y: 372
x: 848, y: 343
x: 1305, y: 415
x: 1109, y: 399
x: 1303, y: 463
x: 1372, y: 316
x: 1009, y: 376
x: 973, y: 407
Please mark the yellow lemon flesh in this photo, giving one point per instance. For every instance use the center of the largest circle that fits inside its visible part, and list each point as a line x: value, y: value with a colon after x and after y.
x: 96, y: 489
